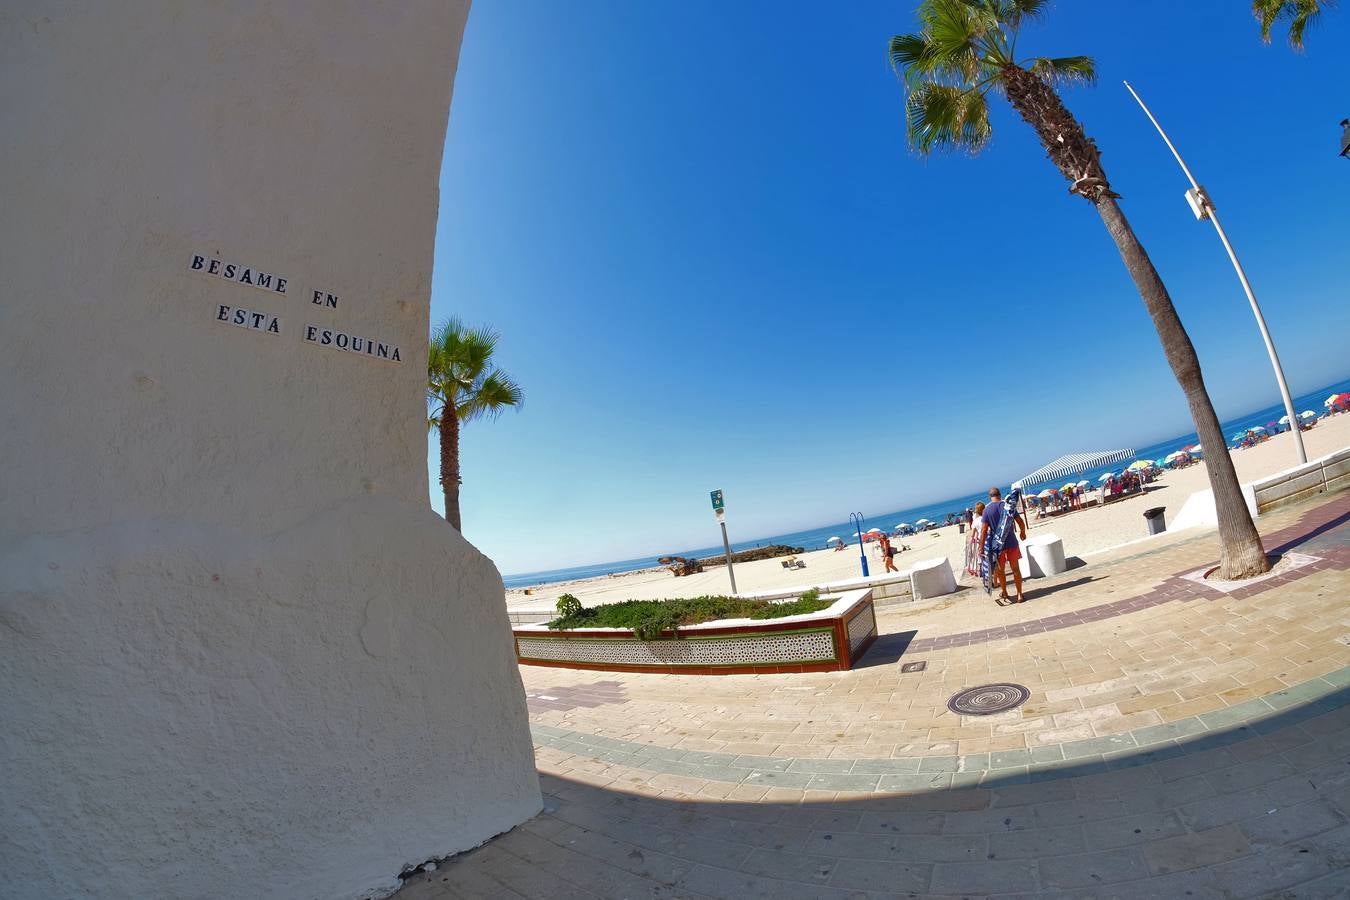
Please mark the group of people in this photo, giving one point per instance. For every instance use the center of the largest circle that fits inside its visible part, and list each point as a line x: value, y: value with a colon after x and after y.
x: 996, y: 529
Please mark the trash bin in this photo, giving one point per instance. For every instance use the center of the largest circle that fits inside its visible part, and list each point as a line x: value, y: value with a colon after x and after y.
x: 1154, y: 519
x: 960, y: 527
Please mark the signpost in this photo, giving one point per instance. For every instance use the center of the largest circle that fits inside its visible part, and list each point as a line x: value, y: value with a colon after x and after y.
x: 720, y: 510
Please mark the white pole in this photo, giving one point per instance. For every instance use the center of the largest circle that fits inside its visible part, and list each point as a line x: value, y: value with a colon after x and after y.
x: 1204, y: 209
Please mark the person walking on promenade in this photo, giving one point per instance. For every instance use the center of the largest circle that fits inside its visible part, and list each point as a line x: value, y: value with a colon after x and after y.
x: 1000, y: 544
x: 887, y: 553
x: 974, y: 549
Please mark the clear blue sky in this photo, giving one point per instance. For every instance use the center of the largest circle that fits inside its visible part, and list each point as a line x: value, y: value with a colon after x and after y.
x: 714, y: 263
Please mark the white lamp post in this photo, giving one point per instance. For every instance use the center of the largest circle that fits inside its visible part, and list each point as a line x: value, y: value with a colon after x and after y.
x: 1203, y: 208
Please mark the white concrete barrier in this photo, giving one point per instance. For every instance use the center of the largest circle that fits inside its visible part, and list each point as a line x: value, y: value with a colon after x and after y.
x: 931, y: 578
x: 1043, y: 555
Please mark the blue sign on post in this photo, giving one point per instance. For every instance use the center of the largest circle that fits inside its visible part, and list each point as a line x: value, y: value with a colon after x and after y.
x: 717, y: 503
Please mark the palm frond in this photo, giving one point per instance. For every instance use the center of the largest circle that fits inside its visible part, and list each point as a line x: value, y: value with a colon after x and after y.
x: 1300, y: 13
x: 945, y: 117
x: 1064, y: 69
x: 1017, y: 11
x: 462, y: 377
x: 497, y: 392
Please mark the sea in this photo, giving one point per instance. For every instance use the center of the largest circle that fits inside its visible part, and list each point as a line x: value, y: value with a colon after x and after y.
x: 816, y: 538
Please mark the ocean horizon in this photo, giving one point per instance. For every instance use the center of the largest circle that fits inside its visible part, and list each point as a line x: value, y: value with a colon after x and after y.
x: 816, y: 538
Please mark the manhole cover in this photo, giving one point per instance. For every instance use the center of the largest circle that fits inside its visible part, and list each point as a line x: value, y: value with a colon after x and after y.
x: 988, y: 699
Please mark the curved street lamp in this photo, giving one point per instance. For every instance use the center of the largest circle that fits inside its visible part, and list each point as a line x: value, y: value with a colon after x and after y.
x: 1203, y: 208
x: 857, y: 520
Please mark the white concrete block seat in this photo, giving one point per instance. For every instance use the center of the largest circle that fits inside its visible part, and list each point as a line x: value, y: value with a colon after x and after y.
x: 931, y: 578
x: 1043, y: 555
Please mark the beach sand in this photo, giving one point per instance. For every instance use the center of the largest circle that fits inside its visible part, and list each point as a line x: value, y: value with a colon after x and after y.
x: 1084, y: 532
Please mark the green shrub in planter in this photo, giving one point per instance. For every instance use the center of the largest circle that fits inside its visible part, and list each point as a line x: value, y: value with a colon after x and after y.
x: 647, y: 619
x: 568, y: 605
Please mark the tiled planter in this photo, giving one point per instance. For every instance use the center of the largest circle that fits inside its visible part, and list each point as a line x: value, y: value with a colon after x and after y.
x: 829, y: 640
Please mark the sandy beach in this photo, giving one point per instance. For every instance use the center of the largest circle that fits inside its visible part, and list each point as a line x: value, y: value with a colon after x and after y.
x: 1084, y: 532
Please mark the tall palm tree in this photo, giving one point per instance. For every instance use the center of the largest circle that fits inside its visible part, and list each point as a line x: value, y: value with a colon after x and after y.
x: 966, y: 50
x: 463, y: 385
x: 1300, y: 13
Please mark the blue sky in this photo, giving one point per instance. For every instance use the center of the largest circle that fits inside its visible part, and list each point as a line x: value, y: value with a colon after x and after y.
x: 714, y: 263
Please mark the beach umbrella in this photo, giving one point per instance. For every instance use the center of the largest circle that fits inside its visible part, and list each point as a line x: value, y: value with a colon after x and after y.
x: 1284, y: 420
x: 1239, y: 436
x: 1083, y: 483
x: 1045, y: 494
x: 1107, y: 477
x: 1176, y: 454
x: 1331, y: 401
x: 874, y: 531
x: 923, y: 522
x: 1139, y: 464
x: 1307, y: 414
x: 1070, y: 486
x: 902, y: 526
x: 1257, y: 428
x: 1196, y: 448
x: 834, y: 539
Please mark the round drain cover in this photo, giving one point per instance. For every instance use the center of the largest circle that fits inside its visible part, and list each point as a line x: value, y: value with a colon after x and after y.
x: 988, y: 699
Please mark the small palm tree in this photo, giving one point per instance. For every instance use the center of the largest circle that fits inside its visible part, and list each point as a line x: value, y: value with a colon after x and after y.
x: 965, y: 51
x: 1300, y: 13
x: 463, y: 385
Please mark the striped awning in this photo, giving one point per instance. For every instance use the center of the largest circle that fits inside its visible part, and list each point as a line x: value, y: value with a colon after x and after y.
x: 1072, y: 464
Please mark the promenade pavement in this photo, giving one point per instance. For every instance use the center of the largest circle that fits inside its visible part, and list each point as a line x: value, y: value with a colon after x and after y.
x: 1177, y: 739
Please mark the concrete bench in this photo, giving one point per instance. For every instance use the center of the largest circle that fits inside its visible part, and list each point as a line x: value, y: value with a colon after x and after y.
x: 1043, y: 555
x: 931, y: 578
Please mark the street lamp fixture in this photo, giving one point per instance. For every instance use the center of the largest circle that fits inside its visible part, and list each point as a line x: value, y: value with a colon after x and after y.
x: 857, y: 520
x: 1345, y: 138
x: 1203, y: 208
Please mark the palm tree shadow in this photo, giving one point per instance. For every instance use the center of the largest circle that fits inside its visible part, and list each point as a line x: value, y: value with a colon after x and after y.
x: 1036, y: 593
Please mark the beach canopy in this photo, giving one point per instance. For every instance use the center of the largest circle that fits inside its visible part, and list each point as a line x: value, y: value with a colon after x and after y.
x: 1072, y: 464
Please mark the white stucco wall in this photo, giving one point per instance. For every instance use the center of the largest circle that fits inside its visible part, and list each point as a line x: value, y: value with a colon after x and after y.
x: 240, y: 655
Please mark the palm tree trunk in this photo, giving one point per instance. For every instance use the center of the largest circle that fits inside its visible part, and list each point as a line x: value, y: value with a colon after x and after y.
x: 1241, y: 554
x: 449, y: 427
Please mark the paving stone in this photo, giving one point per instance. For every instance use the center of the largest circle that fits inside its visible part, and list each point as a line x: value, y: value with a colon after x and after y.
x: 942, y: 848
x: 1093, y: 869
x: 983, y: 877
x: 916, y: 782
x: 843, y: 782
x: 1273, y: 869
x: 1130, y: 830
x: 1037, y: 842
x: 890, y: 878
x: 1190, y: 851
x: 897, y: 822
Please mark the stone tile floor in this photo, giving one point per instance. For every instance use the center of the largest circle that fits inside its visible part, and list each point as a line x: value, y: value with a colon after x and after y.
x: 1178, y: 742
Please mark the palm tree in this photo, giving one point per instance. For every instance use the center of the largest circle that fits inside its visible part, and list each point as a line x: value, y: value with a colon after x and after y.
x: 965, y: 51
x: 1300, y: 13
x: 463, y: 385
